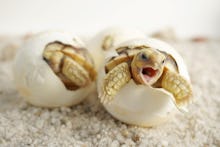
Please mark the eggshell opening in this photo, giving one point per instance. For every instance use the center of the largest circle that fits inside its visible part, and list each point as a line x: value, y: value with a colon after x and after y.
x: 36, y: 81
x: 162, y: 46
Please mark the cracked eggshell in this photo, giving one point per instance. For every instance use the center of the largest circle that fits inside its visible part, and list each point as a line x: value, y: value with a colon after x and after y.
x: 34, y: 78
x: 139, y: 104
x: 114, y: 36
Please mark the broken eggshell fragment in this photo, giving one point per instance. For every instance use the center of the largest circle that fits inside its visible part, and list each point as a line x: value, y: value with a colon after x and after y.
x: 142, y: 104
x: 54, y: 69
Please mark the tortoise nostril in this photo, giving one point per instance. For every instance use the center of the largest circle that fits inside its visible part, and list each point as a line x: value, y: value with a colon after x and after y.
x: 156, y: 65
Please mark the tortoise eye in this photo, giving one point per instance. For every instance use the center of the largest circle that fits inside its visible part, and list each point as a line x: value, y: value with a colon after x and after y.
x: 143, y: 56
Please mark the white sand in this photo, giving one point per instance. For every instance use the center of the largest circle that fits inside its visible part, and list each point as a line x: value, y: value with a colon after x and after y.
x: 88, y: 124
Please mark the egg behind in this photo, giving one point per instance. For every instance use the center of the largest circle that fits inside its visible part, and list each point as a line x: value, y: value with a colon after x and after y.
x: 40, y: 84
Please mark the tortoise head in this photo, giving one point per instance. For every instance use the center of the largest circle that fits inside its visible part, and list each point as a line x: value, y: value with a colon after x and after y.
x: 147, y: 66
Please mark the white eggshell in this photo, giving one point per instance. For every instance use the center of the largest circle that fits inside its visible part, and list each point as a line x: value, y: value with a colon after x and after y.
x: 118, y: 34
x: 139, y: 104
x: 34, y: 78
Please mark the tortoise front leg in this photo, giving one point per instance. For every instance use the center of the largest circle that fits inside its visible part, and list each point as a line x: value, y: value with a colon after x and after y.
x: 178, y: 86
x: 114, y: 81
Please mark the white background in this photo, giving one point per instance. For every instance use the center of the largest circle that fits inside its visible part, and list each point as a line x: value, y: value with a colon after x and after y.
x: 188, y: 17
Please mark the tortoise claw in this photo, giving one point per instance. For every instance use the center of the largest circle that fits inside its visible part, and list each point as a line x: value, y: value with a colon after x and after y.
x: 114, y: 81
x: 179, y: 87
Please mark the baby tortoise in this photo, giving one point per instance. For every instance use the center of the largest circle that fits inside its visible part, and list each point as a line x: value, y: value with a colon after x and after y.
x: 72, y: 65
x: 147, y: 66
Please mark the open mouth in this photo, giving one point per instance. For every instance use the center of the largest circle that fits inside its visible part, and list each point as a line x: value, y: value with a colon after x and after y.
x: 149, y: 73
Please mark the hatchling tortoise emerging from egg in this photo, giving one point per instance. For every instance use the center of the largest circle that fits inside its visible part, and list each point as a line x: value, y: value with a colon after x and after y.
x: 147, y: 66
x: 73, y: 66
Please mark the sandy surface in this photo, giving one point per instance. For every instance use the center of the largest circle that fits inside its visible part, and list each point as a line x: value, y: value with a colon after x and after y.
x: 88, y: 124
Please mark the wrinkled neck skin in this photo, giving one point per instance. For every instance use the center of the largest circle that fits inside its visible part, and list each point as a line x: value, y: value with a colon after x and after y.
x: 147, y: 70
